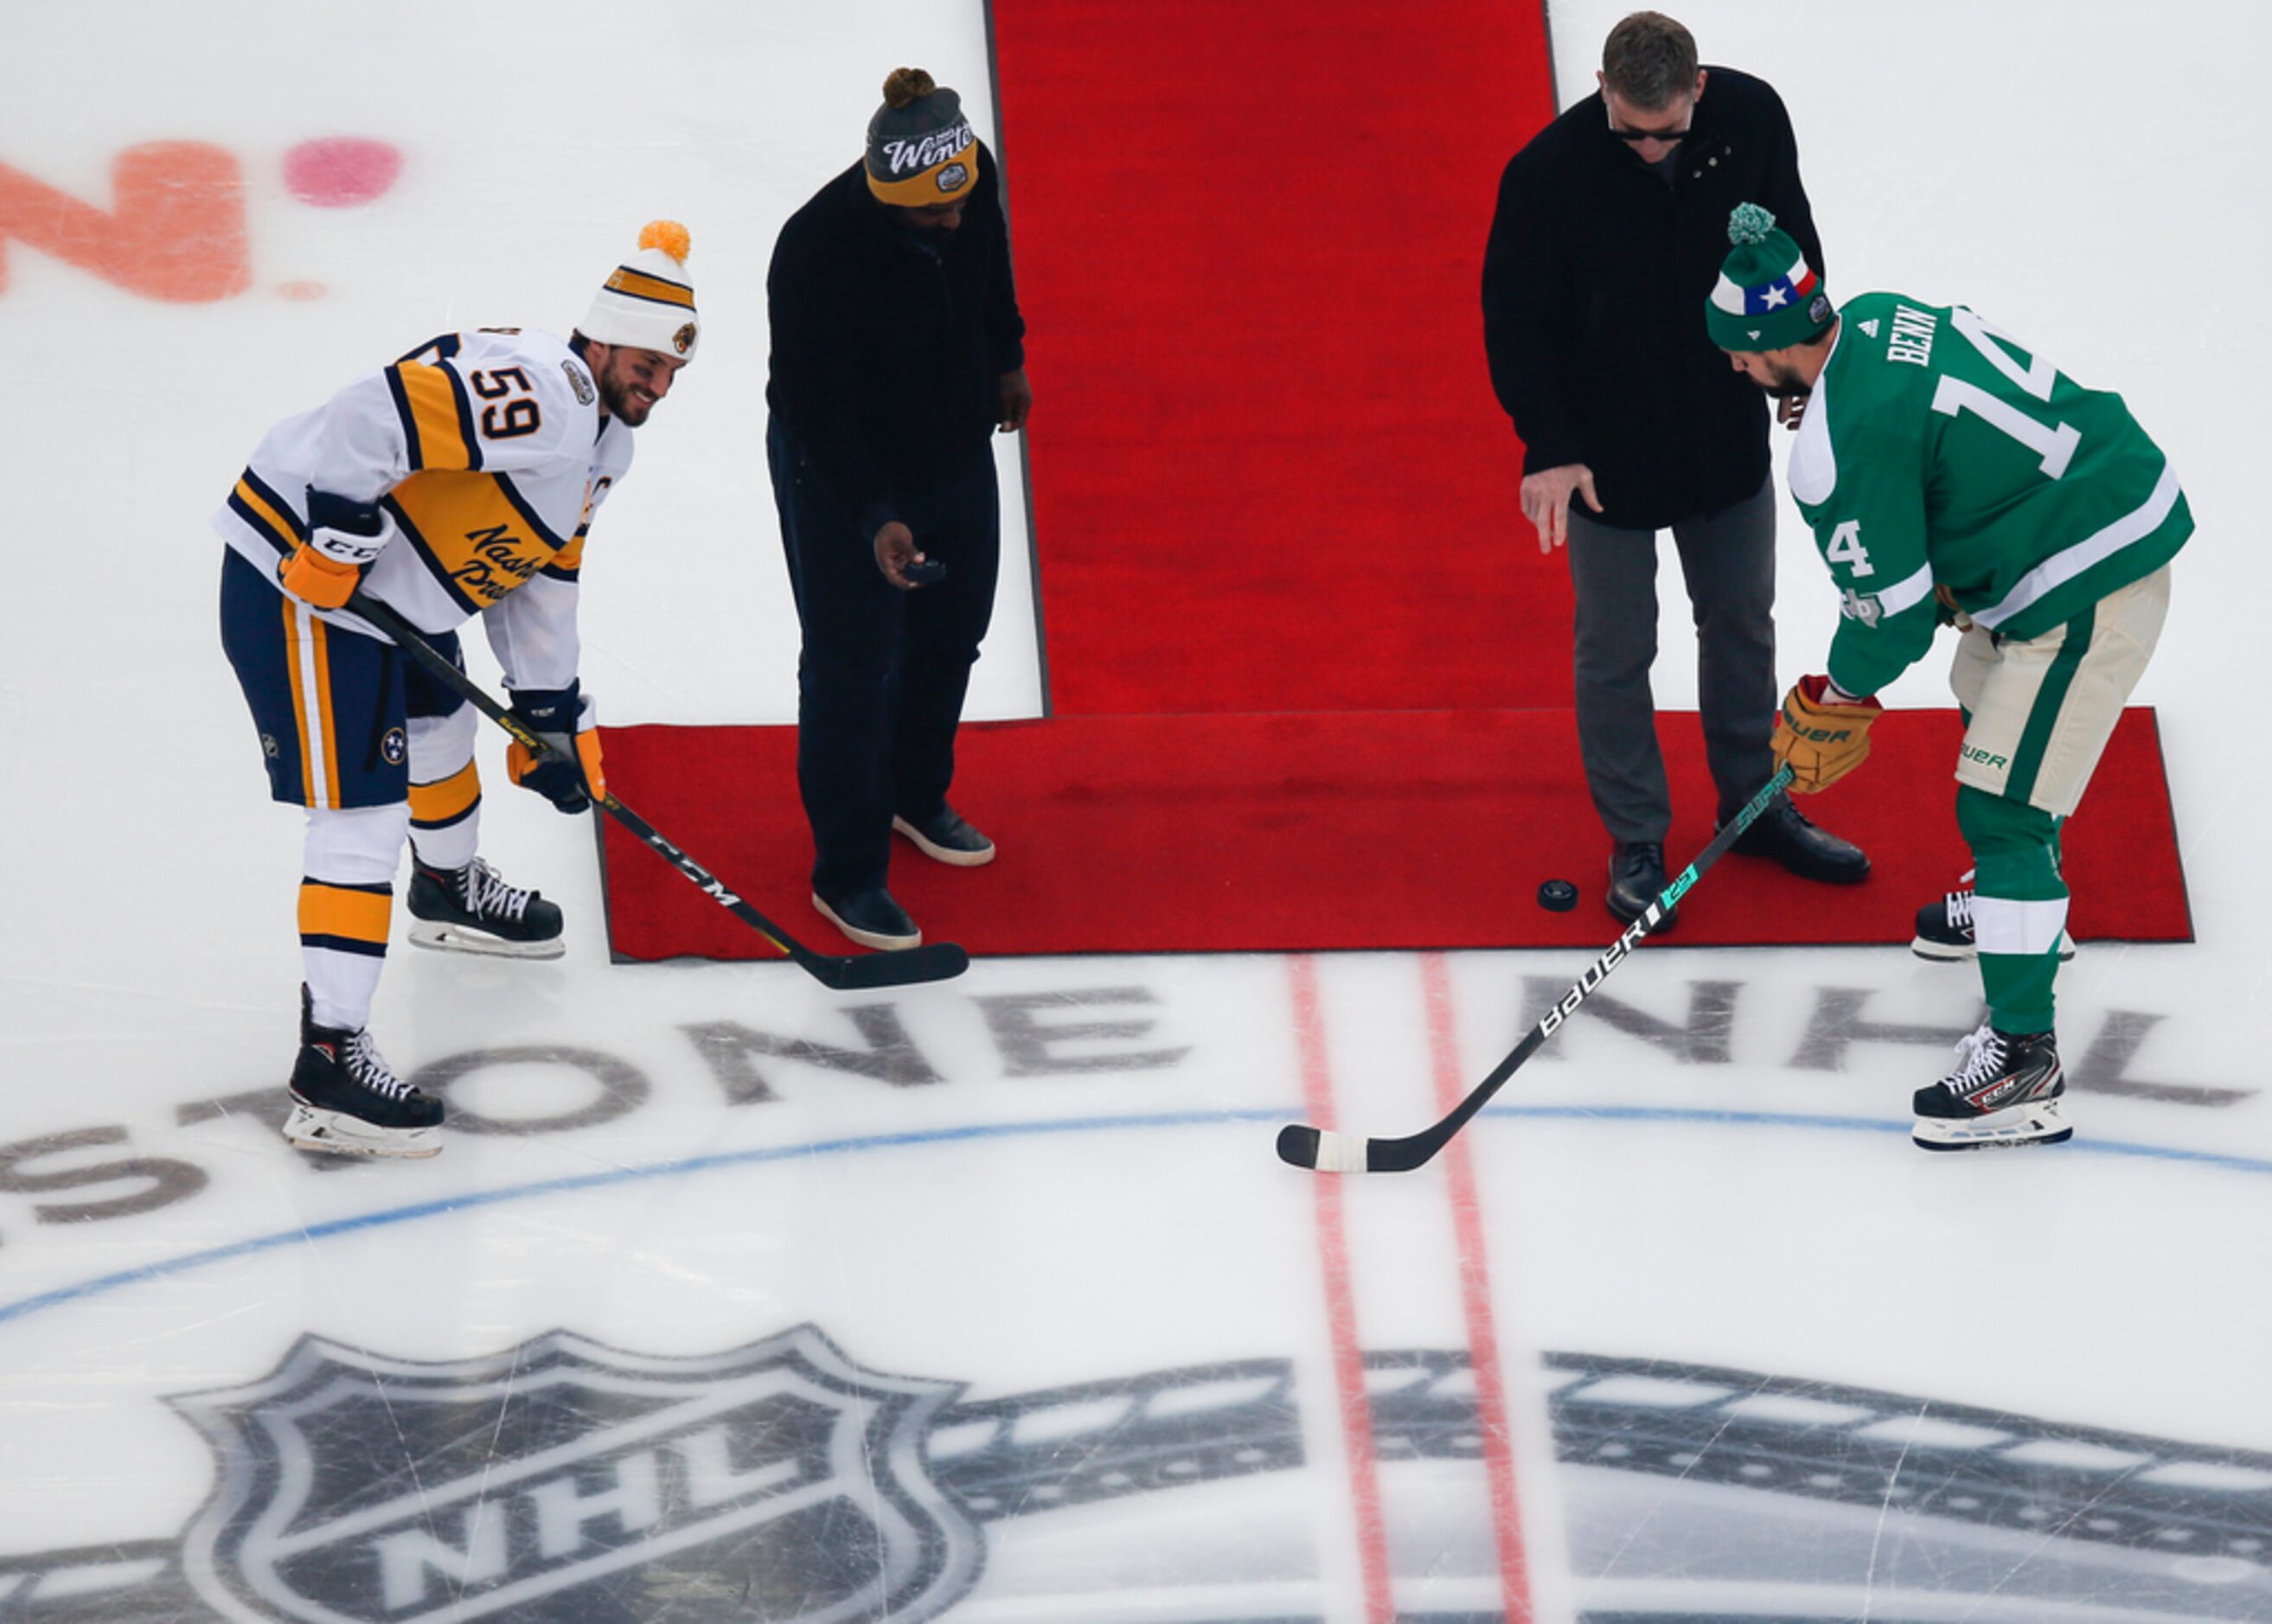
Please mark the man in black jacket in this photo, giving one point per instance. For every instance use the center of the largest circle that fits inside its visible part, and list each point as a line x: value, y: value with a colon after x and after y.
x: 1610, y: 228
x: 897, y: 352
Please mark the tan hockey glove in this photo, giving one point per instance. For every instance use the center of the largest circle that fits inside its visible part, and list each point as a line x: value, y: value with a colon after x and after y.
x: 1821, y: 739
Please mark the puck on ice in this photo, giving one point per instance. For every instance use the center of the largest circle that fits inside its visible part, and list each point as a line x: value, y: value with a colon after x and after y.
x: 1557, y: 895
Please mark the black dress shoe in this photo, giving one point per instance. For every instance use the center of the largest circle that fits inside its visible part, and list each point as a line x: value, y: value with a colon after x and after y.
x: 1636, y: 879
x: 947, y: 838
x: 1784, y: 834
x: 871, y: 919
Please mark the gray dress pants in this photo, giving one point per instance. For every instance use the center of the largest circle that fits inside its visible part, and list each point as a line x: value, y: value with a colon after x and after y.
x: 1727, y: 560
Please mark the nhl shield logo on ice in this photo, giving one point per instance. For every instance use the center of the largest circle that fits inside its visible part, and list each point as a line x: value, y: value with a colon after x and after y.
x: 562, y: 1479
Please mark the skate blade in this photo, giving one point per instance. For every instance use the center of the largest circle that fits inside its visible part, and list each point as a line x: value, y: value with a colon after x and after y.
x: 1949, y: 953
x: 464, y: 939
x: 1942, y: 952
x: 2043, y: 1122
x: 335, y: 1133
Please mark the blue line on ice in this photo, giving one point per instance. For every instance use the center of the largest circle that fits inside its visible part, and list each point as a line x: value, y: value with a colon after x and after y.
x: 100, y: 1284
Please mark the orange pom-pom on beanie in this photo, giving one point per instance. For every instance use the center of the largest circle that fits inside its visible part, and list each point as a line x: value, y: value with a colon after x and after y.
x: 648, y: 303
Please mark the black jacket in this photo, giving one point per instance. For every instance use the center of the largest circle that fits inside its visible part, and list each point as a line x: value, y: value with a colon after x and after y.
x: 1593, y: 289
x: 889, y: 344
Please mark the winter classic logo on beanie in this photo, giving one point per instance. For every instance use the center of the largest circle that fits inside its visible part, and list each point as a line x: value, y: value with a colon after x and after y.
x: 648, y: 303
x: 1768, y: 297
x: 921, y: 149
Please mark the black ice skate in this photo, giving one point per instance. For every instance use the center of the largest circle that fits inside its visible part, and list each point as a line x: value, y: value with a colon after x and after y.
x: 472, y: 909
x: 2006, y: 1091
x: 1944, y: 928
x: 347, y: 1100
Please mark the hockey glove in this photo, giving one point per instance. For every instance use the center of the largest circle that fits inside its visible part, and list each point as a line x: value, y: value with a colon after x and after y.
x: 344, y: 538
x: 569, y: 776
x: 1820, y: 739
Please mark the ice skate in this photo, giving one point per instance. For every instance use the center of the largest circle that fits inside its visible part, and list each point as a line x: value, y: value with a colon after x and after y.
x: 2007, y: 1090
x: 347, y: 1100
x: 472, y: 909
x: 1944, y: 928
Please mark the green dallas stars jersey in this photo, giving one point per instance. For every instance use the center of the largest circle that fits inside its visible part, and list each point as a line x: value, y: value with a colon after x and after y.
x: 1936, y: 453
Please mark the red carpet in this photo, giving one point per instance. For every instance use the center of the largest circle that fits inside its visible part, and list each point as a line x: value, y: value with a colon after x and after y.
x: 1268, y: 471
x: 1309, y: 676
x: 1123, y: 834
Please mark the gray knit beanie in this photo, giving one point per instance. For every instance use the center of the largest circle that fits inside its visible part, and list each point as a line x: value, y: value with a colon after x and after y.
x: 921, y: 149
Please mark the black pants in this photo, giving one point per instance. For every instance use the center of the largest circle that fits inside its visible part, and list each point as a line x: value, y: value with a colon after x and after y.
x: 881, y: 675
x: 1727, y: 561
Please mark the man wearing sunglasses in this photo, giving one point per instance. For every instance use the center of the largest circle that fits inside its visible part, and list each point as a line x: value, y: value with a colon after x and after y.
x: 1610, y: 230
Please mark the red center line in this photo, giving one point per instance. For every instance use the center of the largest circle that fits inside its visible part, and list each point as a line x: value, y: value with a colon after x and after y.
x: 1340, y: 1303
x: 1491, y: 1414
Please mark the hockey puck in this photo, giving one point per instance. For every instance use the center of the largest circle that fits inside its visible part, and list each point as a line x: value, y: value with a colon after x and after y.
x: 1557, y: 895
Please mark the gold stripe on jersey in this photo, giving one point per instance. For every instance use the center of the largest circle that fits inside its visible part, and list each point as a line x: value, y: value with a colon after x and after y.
x: 307, y: 651
x: 639, y: 285
x: 324, y: 712
x: 435, y: 418
x: 432, y: 806
x: 259, y: 507
x: 568, y: 561
x: 344, y: 913
x: 292, y: 634
x: 476, y: 536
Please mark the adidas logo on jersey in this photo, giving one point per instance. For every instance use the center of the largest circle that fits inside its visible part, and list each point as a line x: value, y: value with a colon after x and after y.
x: 1871, y: 326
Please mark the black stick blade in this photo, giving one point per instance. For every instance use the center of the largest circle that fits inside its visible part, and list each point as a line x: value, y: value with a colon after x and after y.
x: 1297, y: 1146
x: 938, y: 961
x: 1324, y: 1151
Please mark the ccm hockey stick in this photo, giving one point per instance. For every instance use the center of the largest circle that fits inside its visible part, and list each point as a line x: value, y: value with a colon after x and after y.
x: 1330, y: 1152
x: 934, y: 962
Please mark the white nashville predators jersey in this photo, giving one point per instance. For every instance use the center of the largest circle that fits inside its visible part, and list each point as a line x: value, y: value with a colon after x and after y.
x: 489, y: 454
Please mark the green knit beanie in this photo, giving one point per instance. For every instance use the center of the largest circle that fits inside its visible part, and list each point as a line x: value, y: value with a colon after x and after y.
x: 1769, y: 297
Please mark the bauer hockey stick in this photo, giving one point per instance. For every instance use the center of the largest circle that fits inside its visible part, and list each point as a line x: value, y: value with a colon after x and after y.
x: 1323, y: 1151
x: 934, y: 962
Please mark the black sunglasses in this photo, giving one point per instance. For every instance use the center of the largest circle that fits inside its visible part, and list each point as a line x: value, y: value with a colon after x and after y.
x: 1623, y: 134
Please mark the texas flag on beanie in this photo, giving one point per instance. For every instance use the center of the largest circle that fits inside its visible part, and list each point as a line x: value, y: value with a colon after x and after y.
x: 1768, y: 296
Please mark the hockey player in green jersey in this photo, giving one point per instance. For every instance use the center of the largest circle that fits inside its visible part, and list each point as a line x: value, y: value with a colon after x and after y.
x: 1952, y: 477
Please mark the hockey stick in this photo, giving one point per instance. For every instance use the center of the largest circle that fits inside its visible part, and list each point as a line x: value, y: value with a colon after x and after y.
x: 1331, y: 1152
x: 934, y: 962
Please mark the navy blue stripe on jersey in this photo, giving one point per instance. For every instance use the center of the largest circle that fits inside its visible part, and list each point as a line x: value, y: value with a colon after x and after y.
x: 543, y: 531
x: 558, y: 572
x: 466, y: 430
x: 435, y: 567
x: 436, y: 349
x: 402, y: 411
x: 268, y: 493
x: 268, y: 513
x: 345, y: 945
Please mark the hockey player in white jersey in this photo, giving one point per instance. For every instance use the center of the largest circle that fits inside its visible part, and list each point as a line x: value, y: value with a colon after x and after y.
x: 458, y: 481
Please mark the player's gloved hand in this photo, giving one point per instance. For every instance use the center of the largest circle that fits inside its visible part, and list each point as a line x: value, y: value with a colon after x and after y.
x: 344, y: 538
x: 1822, y: 738
x: 569, y: 776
